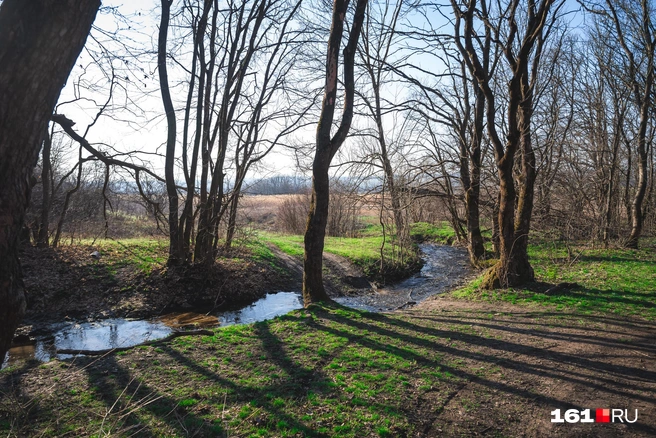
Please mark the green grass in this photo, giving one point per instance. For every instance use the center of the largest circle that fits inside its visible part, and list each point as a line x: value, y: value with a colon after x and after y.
x: 144, y: 254
x: 441, y: 233
x: 362, y: 251
x: 620, y: 281
x: 327, y: 372
x: 319, y: 372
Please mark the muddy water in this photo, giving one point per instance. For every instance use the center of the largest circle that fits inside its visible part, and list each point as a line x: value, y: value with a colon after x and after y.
x: 444, y: 267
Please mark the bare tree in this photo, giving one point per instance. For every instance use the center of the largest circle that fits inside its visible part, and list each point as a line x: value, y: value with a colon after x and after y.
x: 521, y: 40
x: 46, y: 171
x: 176, y: 253
x: 636, y: 35
x: 327, y: 145
x: 376, y: 50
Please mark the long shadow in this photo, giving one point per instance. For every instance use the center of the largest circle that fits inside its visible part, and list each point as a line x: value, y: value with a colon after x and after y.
x: 301, y: 381
x: 527, y: 316
x: 520, y: 366
x: 546, y: 334
x: 645, y: 327
x: 609, y: 258
x: 507, y: 346
x: 610, y: 295
x: 120, y: 389
x: 260, y: 394
x: 624, y: 322
x: 542, y: 371
x: 166, y: 408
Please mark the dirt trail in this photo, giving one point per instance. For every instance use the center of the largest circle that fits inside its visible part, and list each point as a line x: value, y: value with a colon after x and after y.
x: 341, y: 277
x: 544, y: 360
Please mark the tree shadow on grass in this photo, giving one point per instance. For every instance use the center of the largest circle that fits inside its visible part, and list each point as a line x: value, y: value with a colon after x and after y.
x: 589, y: 297
x: 624, y: 382
x: 538, y: 329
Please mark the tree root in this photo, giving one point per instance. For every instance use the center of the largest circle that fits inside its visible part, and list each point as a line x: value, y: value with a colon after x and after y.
x: 168, y: 338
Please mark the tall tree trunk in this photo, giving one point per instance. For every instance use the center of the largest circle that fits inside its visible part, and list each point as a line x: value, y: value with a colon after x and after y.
x: 641, y: 84
x: 471, y: 176
x: 39, y: 43
x: 327, y: 146
x: 177, y: 255
x: 521, y: 54
x: 496, y: 230
x: 44, y: 223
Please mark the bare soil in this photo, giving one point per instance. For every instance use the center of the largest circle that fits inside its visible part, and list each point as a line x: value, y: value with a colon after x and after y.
x: 545, y: 360
x: 66, y: 283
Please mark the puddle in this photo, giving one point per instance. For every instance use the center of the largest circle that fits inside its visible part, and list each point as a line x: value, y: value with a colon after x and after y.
x: 108, y: 333
x: 444, y: 266
x: 119, y: 332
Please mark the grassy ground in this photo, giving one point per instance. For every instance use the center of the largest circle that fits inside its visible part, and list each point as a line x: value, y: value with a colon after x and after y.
x: 620, y: 281
x: 142, y: 254
x: 331, y: 371
x: 466, y: 364
x: 364, y: 251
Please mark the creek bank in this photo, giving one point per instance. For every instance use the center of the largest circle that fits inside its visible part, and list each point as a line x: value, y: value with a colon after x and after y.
x: 66, y: 284
x: 443, y: 268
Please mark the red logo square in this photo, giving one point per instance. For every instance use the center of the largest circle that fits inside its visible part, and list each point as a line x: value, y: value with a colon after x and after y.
x: 602, y: 416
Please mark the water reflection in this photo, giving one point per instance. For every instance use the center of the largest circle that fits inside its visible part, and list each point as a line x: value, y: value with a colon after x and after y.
x: 180, y: 320
x: 268, y: 307
x: 109, y: 333
x: 119, y: 332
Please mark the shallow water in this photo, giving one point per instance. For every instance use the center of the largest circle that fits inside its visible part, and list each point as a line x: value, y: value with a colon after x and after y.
x: 444, y: 266
x: 120, y: 332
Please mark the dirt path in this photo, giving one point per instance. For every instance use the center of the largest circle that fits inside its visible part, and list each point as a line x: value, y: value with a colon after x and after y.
x: 341, y: 277
x: 544, y: 360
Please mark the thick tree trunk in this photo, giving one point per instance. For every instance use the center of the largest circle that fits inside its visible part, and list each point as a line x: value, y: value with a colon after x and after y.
x: 327, y: 146
x: 39, y: 43
x: 636, y: 206
x: 638, y: 200
x: 470, y: 174
x: 496, y: 230
x: 232, y: 212
x: 313, y: 288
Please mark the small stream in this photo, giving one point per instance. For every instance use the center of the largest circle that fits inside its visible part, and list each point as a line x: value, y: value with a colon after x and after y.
x: 444, y: 267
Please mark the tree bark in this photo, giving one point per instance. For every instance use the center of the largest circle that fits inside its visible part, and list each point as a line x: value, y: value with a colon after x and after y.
x: 177, y: 255
x: 520, y: 52
x: 641, y: 87
x: 39, y: 43
x: 327, y: 146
